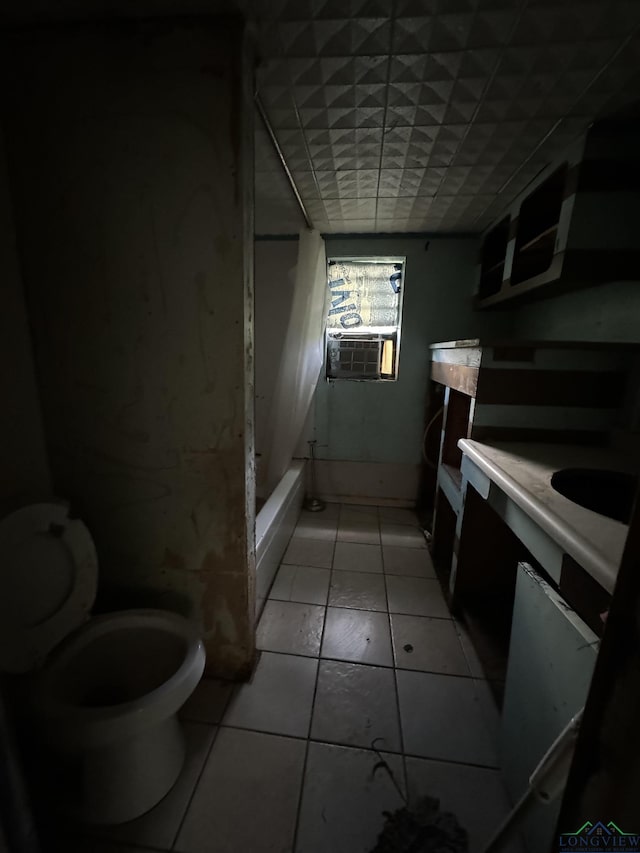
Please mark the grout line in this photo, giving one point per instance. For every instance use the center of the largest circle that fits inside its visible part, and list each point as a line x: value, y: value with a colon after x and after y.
x: 218, y: 726
x: 392, y: 27
x: 397, y: 694
x: 313, y: 706
x: 368, y: 663
x: 343, y: 745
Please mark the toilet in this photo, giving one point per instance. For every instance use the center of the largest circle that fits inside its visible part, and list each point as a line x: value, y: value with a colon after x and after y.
x: 105, y: 690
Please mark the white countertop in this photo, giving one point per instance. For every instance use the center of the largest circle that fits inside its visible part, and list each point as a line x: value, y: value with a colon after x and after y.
x: 523, y: 472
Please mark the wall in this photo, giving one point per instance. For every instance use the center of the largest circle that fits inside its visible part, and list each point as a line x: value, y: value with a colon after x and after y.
x: 24, y: 468
x: 133, y: 195
x: 609, y: 312
x: 275, y: 265
x: 370, y: 434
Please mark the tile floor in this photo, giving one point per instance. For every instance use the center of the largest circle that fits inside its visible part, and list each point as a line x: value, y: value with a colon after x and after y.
x: 360, y: 661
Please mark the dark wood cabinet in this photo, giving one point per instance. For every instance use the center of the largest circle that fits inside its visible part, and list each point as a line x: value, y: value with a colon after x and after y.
x: 576, y: 225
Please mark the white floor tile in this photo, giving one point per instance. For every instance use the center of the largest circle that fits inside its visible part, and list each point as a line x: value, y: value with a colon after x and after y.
x: 356, y: 512
x: 247, y: 797
x: 292, y: 628
x: 397, y: 515
x: 321, y: 528
x: 344, y: 799
x: 353, y: 557
x: 402, y: 535
x: 208, y: 701
x: 360, y: 636
x: 474, y: 795
x: 413, y: 562
x: 361, y: 590
x: 158, y: 827
x: 429, y: 645
x: 356, y: 705
x: 301, y: 583
x: 278, y: 698
x: 330, y: 511
x: 365, y: 532
x: 416, y: 597
x: 309, y: 552
x: 441, y: 718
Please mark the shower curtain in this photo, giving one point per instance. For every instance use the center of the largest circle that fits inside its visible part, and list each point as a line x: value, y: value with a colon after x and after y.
x: 302, y: 357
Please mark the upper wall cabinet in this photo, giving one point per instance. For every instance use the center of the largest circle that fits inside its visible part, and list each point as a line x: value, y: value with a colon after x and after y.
x: 577, y: 224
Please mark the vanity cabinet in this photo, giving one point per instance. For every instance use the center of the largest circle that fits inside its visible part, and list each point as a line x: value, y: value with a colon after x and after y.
x: 542, y: 391
x: 510, y: 398
x: 575, y: 225
x: 552, y: 655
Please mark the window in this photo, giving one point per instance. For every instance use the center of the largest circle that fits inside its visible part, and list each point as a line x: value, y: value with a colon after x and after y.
x: 363, y: 320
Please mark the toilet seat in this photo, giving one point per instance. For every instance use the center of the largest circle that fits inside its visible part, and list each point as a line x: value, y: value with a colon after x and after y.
x: 48, y: 579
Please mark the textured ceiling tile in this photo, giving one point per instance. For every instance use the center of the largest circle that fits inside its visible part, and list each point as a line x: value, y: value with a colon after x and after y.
x: 371, y: 69
x: 401, y: 116
x: 405, y: 156
x: 403, y: 94
x: 349, y: 8
x: 388, y: 207
x: 306, y: 184
x: 416, y: 8
x: 401, y: 182
x: 466, y: 114
x: 349, y: 184
x: 358, y: 208
x: 478, y: 62
x: 317, y: 71
x: 298, y: 38
x: 450, y: 32
x: 409, y: 68
x: 360, y: 161
x: 430, y: 114
x: 369, y: 135
x: 370, y: 36
x: 371, y: 95
x: 356, y: 226
x: 491, y: 27
x: 326, y: 136
x: 370, y: 117
x: 459, y: 112
x: 412, y: 35
x: 277, y: 97
x: 289, y: 9
x: 394, y: 226
x: 284, y: 119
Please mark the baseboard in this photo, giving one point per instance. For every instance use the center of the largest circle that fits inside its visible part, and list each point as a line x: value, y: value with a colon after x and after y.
x: 382, y: 483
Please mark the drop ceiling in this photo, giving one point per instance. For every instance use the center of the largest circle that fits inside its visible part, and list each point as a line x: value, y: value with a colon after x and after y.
x: 428, y: 115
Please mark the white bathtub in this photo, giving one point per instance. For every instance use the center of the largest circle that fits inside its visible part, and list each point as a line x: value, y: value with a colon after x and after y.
x: 274, y: 526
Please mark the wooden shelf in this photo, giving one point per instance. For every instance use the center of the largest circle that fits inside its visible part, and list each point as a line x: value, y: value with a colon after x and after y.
x: 455, y: 474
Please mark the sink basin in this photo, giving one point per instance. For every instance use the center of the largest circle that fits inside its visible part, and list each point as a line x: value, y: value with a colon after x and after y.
x: 609, y: 493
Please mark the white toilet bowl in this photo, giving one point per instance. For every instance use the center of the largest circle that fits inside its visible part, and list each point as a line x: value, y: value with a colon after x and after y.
x: 106, y: 697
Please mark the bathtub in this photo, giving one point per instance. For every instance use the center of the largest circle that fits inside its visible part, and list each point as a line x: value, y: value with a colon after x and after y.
x: 274, y: 526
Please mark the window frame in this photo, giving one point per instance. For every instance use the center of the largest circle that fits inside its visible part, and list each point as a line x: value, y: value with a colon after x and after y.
x: 368, y: 333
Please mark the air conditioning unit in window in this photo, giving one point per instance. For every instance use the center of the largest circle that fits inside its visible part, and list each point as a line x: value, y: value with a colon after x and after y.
x: 360, y: 356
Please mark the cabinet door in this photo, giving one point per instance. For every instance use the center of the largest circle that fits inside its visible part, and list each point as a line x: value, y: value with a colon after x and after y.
x: 552, y: 654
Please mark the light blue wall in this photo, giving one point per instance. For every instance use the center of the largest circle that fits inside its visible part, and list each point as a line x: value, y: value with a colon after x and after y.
x: 383, y: 422
x: 608, y: 312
